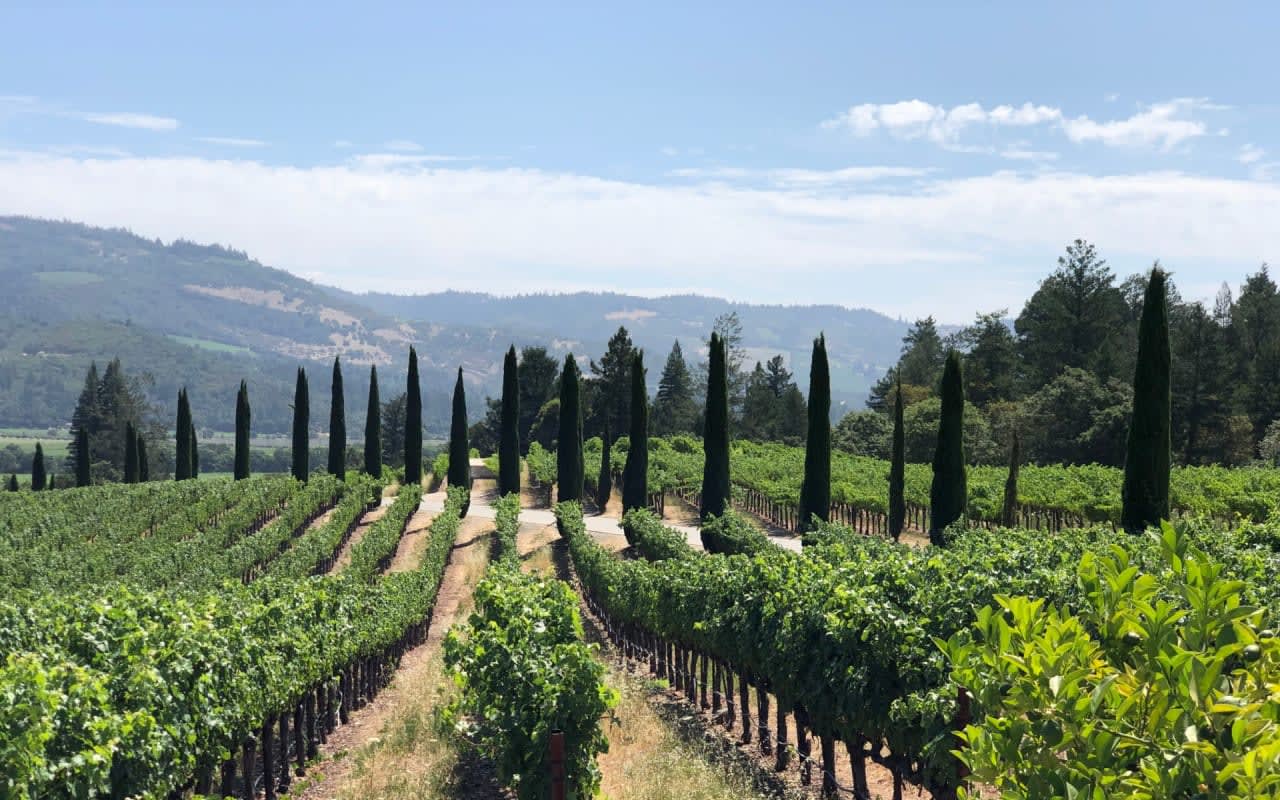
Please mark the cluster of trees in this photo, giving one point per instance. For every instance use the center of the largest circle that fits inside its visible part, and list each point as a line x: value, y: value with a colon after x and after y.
x: 1060, y: 374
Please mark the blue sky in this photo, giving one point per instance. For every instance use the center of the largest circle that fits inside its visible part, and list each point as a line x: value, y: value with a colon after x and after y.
x: 915, y: 159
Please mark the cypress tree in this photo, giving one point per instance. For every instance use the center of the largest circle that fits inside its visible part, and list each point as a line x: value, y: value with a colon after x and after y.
x: 38, y: 474
x: 509, y: 432
x: 569, y: 463
x: 604, y: 482
x: 715, y: 438
x: 49, y: 487
x: 459, y: 445
x: 1009, y: 511
x: 182, y: 439
x: 195, y: 451
x: 949, y: 490
x: 635, y: 474
x: 373, y: 428
x: 144, y: 465
x: 244, y: 419
x: 130, y: 454
x: 13, y: 483
x: 815, y: 490
x: 337, y: 425
x: 83, y: 475
x: 301, y: 467
x: 1145, y: 495
x: 413, y: 424
x: 898, y: 471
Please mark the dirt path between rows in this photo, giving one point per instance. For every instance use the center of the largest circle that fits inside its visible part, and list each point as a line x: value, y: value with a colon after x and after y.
x: 412, y: 541
x: 344, y: 555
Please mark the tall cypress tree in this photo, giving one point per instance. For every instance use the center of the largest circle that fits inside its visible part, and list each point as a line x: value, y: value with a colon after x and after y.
x: 898, y: 471
x: 1009, y: 510
x: 569, y: 463
x: 301, y: 427
x: 49, y: 487
x: 459, y: 446
x: 337, y: 425
x: 1145, y: 495
x: 83, y: 475
x: 38, y: 474
x: 715, y: 438
x: 635, y: 474
x: 130, y: 454
x: 244, y: 419
x: 413, y: 424
x: 195, y: 449
x: 604, y: 481
x: 144, y: 465
x: 949, y: 490
x: 373, y: 428
x: 509, y: 432
x: 13, y: 483
x: 815, y: 489
x: 182, y: 439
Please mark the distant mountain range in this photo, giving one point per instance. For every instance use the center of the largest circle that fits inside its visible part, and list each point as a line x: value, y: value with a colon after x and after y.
x: 206, y: 316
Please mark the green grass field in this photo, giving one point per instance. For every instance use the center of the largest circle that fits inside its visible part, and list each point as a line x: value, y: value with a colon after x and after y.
x: 53, y: 448
x: 67, y: 278
x: 209, y: 344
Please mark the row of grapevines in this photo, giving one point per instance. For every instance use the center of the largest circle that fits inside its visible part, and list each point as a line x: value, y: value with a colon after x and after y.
x: 372, y: 554
x: 655, y: 541
x: 541, y: 463
x: 318, y: 546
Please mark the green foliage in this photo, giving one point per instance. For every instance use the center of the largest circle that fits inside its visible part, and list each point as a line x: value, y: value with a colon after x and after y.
x: 301, y: 468
x: 731, y: 533
x: 815, y: 487
x: 948, y: 492
x: 715, y: 438
x: 244, y: 424
x: 570, y: 470
x: 509, y: 437
x: 457, y: 459
x: 373, y: 428
x: 635, y: 473
x: 337, y: 424
x: 413, y: 423
x: 1145, y: 493
x: 604, y: 476
x: 653, y: 540
x: 675, y: 411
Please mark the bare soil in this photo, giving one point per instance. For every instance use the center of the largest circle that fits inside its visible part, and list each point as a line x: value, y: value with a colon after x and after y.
x: 344, y: 555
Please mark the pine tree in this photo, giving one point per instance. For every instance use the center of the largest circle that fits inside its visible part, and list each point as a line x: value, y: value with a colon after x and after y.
x: 13, y: 483
x: 413, y: 424
x: 1145, y: 495
x: 897, y: 471
x: 1009, y: 510
x: 674, y: 409
x: 459, y: 447
x: 38, y: 474
x: 815, y: 489
x: 569, y: 461
x: 635, y: 473
x: 949, y: 491
x: 715, y: 438
x: 244, y: 418
x: 83, y: 474
x: 301, y: 467
x: 509, y: 436
x: 130, y: 454
x: 373, y: 428
x: 144, y: 465
x: 85, y: 418
x: 337, y: 425
x: 182, y: 439
x: 604, y: 481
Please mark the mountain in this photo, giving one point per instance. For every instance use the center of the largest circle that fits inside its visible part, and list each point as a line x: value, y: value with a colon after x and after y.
x: 206, y: 315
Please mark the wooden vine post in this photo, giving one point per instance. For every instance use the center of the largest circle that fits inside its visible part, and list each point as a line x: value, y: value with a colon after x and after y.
x: 556, y: 759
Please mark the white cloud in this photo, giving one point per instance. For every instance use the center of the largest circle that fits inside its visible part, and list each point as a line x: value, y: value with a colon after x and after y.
x: 801, y: 177
x: 1250, y: 153
x: 127, y: 119
x: 396, y: 160
x: 960, y: 243
x: 1164, y: 124
x: 231, y: 141
x: 913, y: 119
x: 342, y: 144
x: 402, y: 146
x: 1024, y: 154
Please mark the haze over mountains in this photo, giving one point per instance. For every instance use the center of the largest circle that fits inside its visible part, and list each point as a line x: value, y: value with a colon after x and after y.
x: 206, y: 316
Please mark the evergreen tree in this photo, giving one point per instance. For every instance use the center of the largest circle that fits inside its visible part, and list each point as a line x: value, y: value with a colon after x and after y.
x: 538, y: 381
x: 509, y: 436
x: 715, y: 439
x: 49, y: 487
x: 392, y: 431
x: 81, y: 455
x: 182, y: 439
x: 459, y: 446
x: 604, y: 481
x: 1145, y: 495
x: 244, y: 419
x: 130, y: 454
x: 195, y: 449
x: 85, y: 418
x: 373, y: 428
x: 635, y: 473
x: 611, y: 383
x: 301, y: 467
x: 815, y: 490
x: 897, y: 472
x: 675, y: 411
x: 569, y: 461
x: 337, y: 425
x: 13, y: 483
x: 1009, y: 511
x: 413, y: 424
x: 949, y: 491
x: 38, y: 474
x: 144, y: 465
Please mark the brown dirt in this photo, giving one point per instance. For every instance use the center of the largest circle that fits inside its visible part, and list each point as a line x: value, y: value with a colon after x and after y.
x: 332, y: 776
x: 415, y: 538
x: 344, y: 555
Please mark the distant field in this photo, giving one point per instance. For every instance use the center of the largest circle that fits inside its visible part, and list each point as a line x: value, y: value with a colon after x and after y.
x: 53, y: 448
x: 34, y: 433
x: 68, y: 278
x: 209, y: 344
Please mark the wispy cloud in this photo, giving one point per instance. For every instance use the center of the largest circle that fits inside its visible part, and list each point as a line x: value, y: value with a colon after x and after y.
x: 1165, y: 125
x: 798, y: 178
x: 402, y: 146
x: 231, y: 141
x: 126, y: 119
x: 1024, y: 154
x: 1250, y: 153
x: 342, y: 144
x: 394, y: 160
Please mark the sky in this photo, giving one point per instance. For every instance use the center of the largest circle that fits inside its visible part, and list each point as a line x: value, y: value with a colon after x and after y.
x: 914, y: 158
